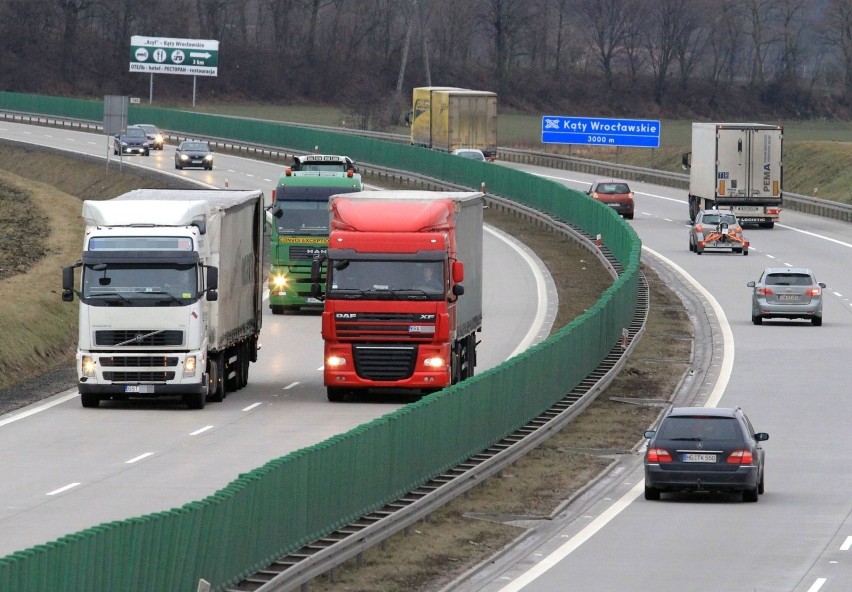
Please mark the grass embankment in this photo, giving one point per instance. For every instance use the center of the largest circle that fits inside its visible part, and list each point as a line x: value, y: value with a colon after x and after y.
x: 41, y: 230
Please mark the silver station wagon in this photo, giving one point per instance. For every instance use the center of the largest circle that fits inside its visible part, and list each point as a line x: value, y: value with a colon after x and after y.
x: 786, y: 293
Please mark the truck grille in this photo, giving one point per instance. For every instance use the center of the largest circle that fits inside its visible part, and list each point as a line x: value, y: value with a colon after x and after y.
x: 410, y: 327
x: 137, y: 362
x: 385, y: 362
x: 139, y: 337
x: 304, y: 253
x: 139, y: 376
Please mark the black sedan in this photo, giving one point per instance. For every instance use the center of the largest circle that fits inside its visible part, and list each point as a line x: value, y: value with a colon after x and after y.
x: 193, y: 153
x: 704, y: 449
x: 132, y: 141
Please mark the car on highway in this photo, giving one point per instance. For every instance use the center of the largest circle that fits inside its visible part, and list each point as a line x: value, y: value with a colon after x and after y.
x: 471, y: 153
x: 614, y: 193
x: 705, y: 449
x: 193, y: 153
x: 155, y: 136
x: 717, y: 230
x: 786, y: 293
x: 132, y: 141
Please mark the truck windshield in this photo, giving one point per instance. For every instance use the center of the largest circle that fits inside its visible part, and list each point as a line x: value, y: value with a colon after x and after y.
x: 303, y: 217
x: 146, y: 285
x: 401, y: 280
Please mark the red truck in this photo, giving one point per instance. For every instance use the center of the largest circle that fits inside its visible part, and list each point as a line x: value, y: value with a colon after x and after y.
x: 403, y: 299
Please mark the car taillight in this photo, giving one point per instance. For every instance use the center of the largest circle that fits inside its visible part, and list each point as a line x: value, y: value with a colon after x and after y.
x: 740, y: 457
x: 658, y: 455
x: 765, y: 291
x: 814, y: 292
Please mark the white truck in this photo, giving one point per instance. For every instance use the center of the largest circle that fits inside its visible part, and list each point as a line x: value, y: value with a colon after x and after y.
x: 447, y: 118
x: 736, y: 166
x: 171, y: 291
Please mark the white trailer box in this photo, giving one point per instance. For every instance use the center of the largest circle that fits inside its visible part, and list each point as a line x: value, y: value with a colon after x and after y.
x: 737, y: 166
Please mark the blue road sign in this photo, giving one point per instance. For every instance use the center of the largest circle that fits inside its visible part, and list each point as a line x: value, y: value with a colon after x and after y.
x: 599, y: 131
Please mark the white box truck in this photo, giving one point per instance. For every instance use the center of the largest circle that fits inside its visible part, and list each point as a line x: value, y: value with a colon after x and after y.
x: 736, y: 166
x: 171, y: 290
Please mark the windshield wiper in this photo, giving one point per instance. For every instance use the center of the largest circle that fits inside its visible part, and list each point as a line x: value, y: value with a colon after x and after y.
x: 108, y: 294
x: 169, y: 294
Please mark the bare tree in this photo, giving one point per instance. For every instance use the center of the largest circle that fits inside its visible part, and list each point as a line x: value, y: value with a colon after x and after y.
x: 665, y: 26
x: 606, y: 28
x: 837, y: 30
x: 507, y: 20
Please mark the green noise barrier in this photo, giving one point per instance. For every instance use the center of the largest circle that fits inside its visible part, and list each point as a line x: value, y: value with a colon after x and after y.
x: 307, y: 494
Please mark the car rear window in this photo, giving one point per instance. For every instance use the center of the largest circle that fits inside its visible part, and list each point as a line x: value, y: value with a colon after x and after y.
x: 613, y: 188
x: 788, y: 279
x: 703, y: 428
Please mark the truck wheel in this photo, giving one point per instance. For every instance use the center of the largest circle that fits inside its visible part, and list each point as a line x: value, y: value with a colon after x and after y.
x: 195, y: 400
x: 767, y: 225
x: 336, y: 395
x: 244, y: 363
x: 89, y: 400
x: 215, y: 385
x: 277, y: 309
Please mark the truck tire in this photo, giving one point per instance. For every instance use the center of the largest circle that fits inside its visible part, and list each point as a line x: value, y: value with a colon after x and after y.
x: 195, y: 400
x: 693, y: 208
x: 335, y: 394
x: 89, y: 400
x: 215, y: 385
x: 767, y: 224
x: 277, y: 309
x: 244, y: 362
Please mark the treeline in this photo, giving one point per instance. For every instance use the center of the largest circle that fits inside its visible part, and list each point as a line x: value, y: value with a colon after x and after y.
x: 639, y: 58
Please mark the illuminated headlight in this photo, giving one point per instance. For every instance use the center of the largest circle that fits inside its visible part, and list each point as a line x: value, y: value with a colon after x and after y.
x: 335, y: 361
x: 208, y: 158
x: 436, y: 363
x: 184, y: 157
x: 189, y: 367
x: 158, y: 138
x: 88, y: 366
x: 279, y: 281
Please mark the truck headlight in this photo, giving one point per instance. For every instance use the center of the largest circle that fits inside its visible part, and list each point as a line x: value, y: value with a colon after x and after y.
x: 434, y: 363
x: 189, y: 367
x: 335, y: 361
x: 279, y: 281
x: 88, y: 366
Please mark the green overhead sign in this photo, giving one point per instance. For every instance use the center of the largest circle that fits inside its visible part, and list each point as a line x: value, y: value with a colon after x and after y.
x: 196, y: 57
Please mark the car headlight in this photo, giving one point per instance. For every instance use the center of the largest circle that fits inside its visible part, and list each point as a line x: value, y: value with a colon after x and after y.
x: 88, y: 363
x: 184, y: 157
x: 209, y: 157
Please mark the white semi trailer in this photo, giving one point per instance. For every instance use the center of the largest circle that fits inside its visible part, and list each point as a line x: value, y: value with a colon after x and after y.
x: 170, y: 290
x: 736, y: 166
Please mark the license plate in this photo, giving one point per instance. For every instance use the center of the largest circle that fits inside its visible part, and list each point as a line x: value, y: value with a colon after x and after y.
x: 747, y: 209
x: 699, y: 458
x: 788, y: 297
x: 312, y: 300
x: 139, y: 388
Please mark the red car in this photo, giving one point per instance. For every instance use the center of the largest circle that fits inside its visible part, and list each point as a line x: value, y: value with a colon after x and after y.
x: 614, y: 193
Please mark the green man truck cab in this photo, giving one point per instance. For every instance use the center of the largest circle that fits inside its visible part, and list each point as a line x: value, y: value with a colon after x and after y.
x: 299, y: 226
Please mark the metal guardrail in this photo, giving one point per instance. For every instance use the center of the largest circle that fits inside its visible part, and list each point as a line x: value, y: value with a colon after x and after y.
x: 793, y: 201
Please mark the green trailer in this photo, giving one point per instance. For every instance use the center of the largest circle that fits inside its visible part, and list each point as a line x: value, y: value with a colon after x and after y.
x: 299, y: 232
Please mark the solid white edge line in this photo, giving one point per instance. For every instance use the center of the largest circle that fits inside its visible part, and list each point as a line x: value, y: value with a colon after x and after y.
x: 616, y: 508
x: 39, y: 408
x: 138, y: 458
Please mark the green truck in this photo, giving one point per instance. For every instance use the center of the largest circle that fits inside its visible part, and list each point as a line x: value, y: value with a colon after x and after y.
x: 299, y: 226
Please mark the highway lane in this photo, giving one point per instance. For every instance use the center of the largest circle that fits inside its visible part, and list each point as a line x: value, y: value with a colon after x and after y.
x: 66, y: 468
x: 790, y: 377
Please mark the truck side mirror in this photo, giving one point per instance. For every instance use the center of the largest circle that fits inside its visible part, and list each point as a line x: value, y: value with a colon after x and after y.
x: 212, y: 295
x: 458, y: 272
x: 458, y: 290
x: 67, y: 284
x: 685, y: 164
x: 277, y: 212
x: 212, y: 278
x: 316, y: 291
